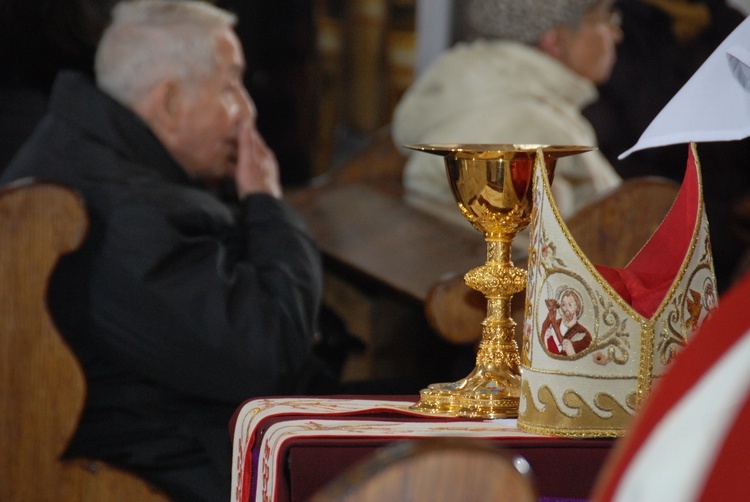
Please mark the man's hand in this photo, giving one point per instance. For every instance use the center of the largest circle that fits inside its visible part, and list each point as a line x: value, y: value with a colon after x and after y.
x: 257, y: 168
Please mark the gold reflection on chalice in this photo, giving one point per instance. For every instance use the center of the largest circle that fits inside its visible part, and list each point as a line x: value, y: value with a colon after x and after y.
x: 492, y: 187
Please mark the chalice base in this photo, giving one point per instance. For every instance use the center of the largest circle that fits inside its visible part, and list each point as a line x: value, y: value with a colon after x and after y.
x: 442, y: 398
x: 482, y: 394
x: 438, y: 399
x: 488, y: 394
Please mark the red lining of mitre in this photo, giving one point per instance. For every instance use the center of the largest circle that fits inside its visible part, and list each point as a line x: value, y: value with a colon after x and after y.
x: 644, y: 282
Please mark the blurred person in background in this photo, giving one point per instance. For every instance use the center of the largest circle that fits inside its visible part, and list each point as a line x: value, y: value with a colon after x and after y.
x: 530, y: 69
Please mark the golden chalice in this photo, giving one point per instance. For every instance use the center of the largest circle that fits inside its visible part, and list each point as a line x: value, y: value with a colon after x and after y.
x: 492, y: 187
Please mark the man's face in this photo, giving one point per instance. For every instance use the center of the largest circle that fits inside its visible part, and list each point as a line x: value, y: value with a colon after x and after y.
x: 590, y: 49
x: 569, y: 309
x: 213, y: 109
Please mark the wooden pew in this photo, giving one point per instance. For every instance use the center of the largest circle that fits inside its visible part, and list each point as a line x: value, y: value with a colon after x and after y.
x: 380, y: 241
x: 42, y: 386
x: 382, y: 256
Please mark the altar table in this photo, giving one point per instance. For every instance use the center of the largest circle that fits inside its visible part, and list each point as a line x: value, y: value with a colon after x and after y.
x: 285, y: 449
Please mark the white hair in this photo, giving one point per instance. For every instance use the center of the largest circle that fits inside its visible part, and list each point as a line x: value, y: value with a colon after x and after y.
x: 149, y: 41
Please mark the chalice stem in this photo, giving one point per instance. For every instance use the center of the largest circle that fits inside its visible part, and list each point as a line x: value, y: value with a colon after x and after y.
x: 498, y: 346
x: 498, y: 329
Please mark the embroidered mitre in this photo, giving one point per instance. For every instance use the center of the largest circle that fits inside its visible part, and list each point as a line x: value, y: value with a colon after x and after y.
x: 596, y: 338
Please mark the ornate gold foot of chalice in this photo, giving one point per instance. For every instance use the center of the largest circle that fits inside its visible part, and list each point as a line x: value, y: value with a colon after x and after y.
x: 492, y: 187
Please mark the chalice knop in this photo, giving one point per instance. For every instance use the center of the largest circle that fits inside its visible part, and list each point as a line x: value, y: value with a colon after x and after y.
x: 492, y: 185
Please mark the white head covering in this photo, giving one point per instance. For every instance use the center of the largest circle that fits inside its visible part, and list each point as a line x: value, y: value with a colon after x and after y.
x: 523, y: 20
x: 714, y: 105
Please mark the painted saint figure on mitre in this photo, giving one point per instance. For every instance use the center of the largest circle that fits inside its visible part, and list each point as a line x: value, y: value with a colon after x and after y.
x: 565, y: 335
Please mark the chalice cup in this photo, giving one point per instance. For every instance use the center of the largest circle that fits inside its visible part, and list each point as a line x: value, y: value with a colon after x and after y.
x: 492, y: 185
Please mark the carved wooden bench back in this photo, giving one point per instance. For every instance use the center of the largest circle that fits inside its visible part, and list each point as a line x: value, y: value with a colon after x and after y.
x: 42, y: 386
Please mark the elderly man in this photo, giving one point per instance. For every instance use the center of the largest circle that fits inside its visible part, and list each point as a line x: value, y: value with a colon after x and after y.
x: 534, y: 66
x: 178, y: 306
